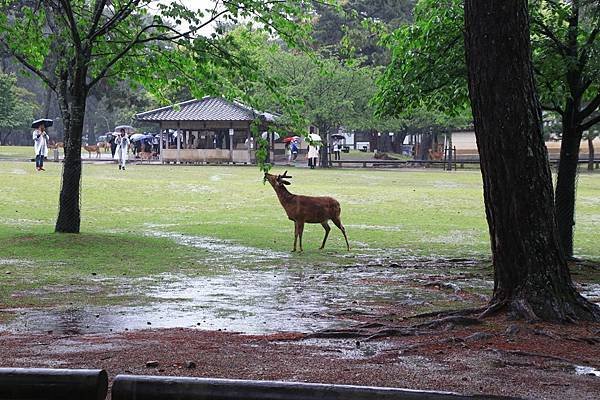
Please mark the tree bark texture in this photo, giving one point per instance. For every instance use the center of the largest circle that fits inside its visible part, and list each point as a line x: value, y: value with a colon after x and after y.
x: 531, y: 277
x: 72, y: 99
x: 566, y: 183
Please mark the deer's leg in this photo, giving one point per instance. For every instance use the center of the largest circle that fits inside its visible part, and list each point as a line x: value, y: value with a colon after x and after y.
x: 300, y: 231
x: 295, y: 234
x: 327, y: 229
x: 338, y: 223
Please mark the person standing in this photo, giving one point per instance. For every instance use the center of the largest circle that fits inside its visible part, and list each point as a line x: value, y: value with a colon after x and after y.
x: 40, y: 145
x: 122, y: 149
x: 337, y: 148
x: 313, y: 155
x: 113, y: 144
x: 294, y: 150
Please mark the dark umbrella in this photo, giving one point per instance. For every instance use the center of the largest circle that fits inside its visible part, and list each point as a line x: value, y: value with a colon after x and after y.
x: 46, y: 122
x: 337, y: 136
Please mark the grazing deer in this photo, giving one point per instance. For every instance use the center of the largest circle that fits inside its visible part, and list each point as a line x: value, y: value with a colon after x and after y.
x: 307, y: 209
x: 435, y: 155
x: 93, y: 149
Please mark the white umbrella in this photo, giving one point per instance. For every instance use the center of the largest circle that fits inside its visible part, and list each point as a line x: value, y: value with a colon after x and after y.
x: 314, y: 137
x: 128, y: 128
x: 275, y: 135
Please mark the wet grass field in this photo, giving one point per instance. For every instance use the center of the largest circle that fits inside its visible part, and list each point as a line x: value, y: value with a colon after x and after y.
x: 210, y: 246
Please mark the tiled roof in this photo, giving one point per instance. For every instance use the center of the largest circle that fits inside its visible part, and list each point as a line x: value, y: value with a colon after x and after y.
x: 205, y: 109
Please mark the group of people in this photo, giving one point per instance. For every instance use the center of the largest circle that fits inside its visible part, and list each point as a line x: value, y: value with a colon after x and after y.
x: 292, y: 149
x: 119, y: 145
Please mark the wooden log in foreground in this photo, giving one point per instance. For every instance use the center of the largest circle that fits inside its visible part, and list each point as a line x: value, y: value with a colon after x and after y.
x: 130, y: 387
x: 51, y: 384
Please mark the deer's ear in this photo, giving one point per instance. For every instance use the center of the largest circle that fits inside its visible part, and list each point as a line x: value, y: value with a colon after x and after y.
x: 285, y: 182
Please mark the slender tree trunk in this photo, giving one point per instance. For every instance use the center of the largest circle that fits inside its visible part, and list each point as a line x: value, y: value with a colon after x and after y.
x: 590, y: 140
x: 531, y: 277
x: 567, y: 181
x: 449, y: 153
x: 324, y: 151
x: 72, y: 103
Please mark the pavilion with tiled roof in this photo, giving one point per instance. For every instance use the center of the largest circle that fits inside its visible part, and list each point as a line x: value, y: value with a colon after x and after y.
x: 210, y: 129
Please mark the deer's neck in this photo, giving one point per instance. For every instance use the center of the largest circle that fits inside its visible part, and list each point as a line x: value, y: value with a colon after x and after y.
x: 284, y: 196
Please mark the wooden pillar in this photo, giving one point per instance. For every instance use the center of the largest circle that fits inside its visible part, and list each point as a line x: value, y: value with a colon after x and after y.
x: 249, y: 141
x: 178, y: 133
x: 160, y: 138
x: 271, y: 136
x: 231, y: 133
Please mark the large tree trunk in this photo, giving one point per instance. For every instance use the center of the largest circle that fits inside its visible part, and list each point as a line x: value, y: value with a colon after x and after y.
x: 72, y: 102
x: 531, y: 277
x: 324, y: 150
x: 566, y: 182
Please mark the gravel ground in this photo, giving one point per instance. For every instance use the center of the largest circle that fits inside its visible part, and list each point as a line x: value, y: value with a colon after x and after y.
x: 530, y: 361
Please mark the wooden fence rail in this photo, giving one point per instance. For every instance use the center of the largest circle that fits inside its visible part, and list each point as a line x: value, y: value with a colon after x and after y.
x: 129, y: 387
x: 53, y: 384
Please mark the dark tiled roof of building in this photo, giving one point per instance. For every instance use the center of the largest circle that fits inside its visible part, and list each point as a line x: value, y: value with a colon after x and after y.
x: 205, y: 109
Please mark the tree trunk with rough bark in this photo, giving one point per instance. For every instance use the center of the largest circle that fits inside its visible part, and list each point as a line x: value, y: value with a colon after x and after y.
x: 566, y: 183
x: 531, y: 278
x: 72, y: 99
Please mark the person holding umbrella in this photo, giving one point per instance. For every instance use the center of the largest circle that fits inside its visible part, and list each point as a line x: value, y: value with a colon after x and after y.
x: 40, y: 142
x: 122, y: 149
x: 112, y: 140
x: 313, y: 154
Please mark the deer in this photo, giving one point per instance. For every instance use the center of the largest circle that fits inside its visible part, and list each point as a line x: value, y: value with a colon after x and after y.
x: 306, y: 209
x: 93, y: 149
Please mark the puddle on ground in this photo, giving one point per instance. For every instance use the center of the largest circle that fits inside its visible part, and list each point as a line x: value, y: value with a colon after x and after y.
x: 225, y: 252
x: 583, y: 370
x: 283, y: 295
x: 241, y: 300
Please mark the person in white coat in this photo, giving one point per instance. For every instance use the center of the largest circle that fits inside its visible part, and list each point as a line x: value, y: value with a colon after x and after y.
x: 122, y: 149
x: 313, y: 155
x: 40, y: 146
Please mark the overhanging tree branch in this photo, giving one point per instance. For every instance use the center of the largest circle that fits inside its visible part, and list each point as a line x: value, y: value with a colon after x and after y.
x: 68, y: 13
x: 117, y: 17
x: 587, y: 47
x: 98, y: 10
x: 587, y: 125
x: 590, y: 108
x: 30, y: 66
x: 138, y: 40
x: 547, y: 32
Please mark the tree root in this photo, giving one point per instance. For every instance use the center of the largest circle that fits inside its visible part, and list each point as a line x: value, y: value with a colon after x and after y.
x: 557, y: 310
x: 463, y: 312
x: 530, y: 354
x: 364, y: 332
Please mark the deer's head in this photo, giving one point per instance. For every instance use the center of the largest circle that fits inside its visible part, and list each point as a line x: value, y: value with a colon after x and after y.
x: 278, y: 180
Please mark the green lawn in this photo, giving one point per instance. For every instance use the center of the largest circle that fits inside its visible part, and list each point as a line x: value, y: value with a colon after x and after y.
x: 130, y: 222
x: 22, y: 152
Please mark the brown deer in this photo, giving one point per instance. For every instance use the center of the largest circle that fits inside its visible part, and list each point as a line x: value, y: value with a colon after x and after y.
x: 93, y: 149
x: 306, y: 209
